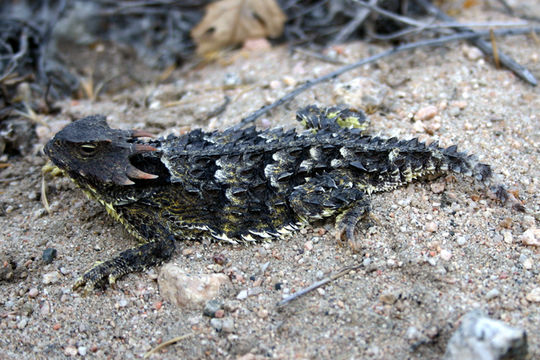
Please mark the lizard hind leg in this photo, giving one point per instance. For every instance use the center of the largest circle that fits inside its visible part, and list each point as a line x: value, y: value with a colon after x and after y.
x: 321, y: 197
x: 347, y: 220
x: 332, y: 118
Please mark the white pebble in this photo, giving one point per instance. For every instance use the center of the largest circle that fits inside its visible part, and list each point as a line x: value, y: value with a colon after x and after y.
x: 426, y: 113
x: 492, y: 294
x: 51, y: 277
x: 531, y: 237
x: 242, y: 295
x: 534, y: 295
x: 446, y: 254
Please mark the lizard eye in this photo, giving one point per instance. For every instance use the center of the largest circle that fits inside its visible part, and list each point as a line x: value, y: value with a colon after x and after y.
x: 87, y: 150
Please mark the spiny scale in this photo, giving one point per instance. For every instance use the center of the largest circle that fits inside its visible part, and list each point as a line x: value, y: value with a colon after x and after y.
x: 240, y: 185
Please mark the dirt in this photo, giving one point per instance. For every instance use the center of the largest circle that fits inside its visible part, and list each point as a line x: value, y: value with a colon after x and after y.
x: 434, y: 251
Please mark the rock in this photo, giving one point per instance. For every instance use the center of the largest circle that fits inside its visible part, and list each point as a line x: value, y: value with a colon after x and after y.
x: 437, y: 187
x: 123, y: 302
x: 228, y: 325
x: 243, y: 294
x: 22, y: 323
x: 472, y: 53
x: 33, y: 292
x: 51, y: 278
x: 217, y: 324
x: 82, y: 350
x: 361, y: 92
x: 70, y: 351
x: 507, y: 236
x: 211, y: 307
x: 7, y: 269
x: 188, y: 290
x: 492, y: 294
x: 389, y: 297
x: 48, y: 255
x: 446, y: 255
x: 432, y: 226
x: 531, y: 237
x: 481, y: 338
x: 426, y: 113
x: 534, y: 295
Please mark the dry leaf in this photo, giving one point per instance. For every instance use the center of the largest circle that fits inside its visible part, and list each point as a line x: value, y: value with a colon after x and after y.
x: 230, y: 22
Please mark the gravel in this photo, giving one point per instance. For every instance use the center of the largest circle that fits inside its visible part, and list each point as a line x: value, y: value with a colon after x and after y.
x: 430, y: 254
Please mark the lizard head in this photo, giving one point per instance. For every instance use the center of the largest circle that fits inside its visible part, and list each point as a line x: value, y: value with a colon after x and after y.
x: 93, y: 153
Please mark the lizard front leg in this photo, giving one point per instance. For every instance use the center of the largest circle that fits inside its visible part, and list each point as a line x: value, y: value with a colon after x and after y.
x: 133, y: 260
x: 158, y: 245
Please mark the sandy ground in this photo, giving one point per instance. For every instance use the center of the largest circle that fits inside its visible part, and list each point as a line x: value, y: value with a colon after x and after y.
x: 438, y: 250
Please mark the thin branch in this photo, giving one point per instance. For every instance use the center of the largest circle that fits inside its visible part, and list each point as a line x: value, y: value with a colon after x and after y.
x: 165, y: 344
x: 13, y: 62
x: 484, y: 46
x: 410, y: 46
x: 445, y: 25
x: 507, y: 7
x: 318, y: 284
x: 359, y: 18
x: 390, y: 15
x: 318, y: 56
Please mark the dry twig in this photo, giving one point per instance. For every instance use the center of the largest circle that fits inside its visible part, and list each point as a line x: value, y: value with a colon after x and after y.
x: 165, y: 344
x: 484, y: 46
x: 318, y: 284
x: 405, y: 47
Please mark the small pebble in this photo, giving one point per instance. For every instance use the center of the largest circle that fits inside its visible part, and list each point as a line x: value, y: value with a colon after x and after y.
x: 258, y: 44
x: 275, y: 84
x: 289, y: 80
x: 45, y: 308
x: 531, y: 237
x: 472, y: 53
x: 528, y: 263
x: 217, y: 324
x: 70, y: 351
x: 48, y: 255
x: 413, y: 334
x: 437, y: 187
x: 33, y: 292
x: 262, y: 313
x: 228, y: 325
x: 211, y: 307
x: 308, y: 245
x: 189, y: 290
x: 243, y: 294
x: 461, y: 240
x: 507, y: 236
x: 122, y: 303
x: 431, y: 226
x: 426, y: 113
x: 51, y: 277
x: 534, y: 295
x: 492, y: 294
x: 446, y: 255
x: 388, y: 298
x: 82, y: 350
x: 22, y: 324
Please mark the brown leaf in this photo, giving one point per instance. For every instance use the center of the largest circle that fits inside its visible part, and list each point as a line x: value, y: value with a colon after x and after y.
x: 230, y: 22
